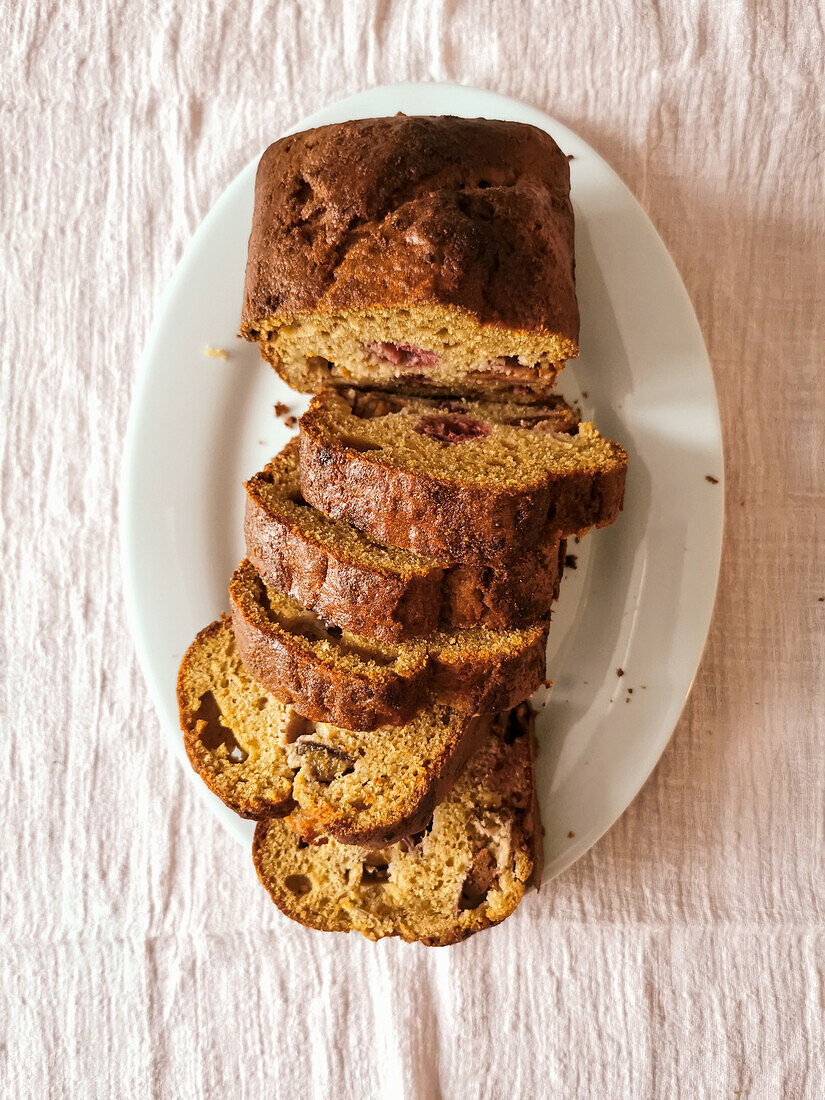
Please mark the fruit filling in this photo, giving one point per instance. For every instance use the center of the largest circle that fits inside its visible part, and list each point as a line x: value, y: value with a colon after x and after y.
x: 452, y: 428
x: 380, y: 352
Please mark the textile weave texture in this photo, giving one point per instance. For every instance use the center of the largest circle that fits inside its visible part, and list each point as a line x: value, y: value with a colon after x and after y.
x: 139, y: 956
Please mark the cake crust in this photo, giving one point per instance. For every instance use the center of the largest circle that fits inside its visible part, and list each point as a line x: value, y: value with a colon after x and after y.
x: 360, y: 685
x: 377, y: 591
x: 469, y: 214
x: 468, y: 870
x: 351, y: 469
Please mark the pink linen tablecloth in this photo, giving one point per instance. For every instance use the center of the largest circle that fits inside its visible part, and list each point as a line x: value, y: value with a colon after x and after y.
x: 684, y: 956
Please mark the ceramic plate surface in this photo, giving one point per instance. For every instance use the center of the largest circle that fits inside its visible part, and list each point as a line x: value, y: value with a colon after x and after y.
x: 641, y: 595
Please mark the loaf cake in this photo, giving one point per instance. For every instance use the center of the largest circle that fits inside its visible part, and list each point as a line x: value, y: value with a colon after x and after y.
x: 329, y: 675
x: 427, y: 255
x: 479, y: 482
x: 365, y: 702
x: 262, y: 759
x: 468, y: 870
x: 376, y: 590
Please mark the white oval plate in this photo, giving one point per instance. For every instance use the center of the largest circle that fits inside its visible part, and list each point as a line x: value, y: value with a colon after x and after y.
x: 641, y: 596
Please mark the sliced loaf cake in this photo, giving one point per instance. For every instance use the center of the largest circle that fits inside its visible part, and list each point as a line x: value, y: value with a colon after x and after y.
x: 262, y: 759
x: 330, y: 675
x: 376, y: 590
x: 467, y: 870
x: 479, y: 482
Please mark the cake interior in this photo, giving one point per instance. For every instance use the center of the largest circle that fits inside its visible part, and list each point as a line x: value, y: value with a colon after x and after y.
x: 467, y: 868
x: 261, y: 757
x: 470, y: 441
x: 424, y: 349
x: 279, y: 491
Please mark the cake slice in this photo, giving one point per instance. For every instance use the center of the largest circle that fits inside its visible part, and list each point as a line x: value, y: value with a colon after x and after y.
x: 233, y: 731
x: 432, y: 255
x: 262, y: 759
x: 478, y: 482
x: 376, y: 590
x: 329, y: 675
x: 467, y: 870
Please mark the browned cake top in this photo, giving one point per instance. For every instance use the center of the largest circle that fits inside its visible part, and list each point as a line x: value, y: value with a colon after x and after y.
x: 467, y: 213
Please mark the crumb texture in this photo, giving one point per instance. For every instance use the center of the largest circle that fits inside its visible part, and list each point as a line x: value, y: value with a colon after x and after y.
x: 381, y: 591
x: 466, y: 869
x: 479, y: 482
x: 263, y: 759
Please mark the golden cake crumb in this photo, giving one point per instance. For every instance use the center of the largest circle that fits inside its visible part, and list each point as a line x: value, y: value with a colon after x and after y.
x: 214, y: 353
